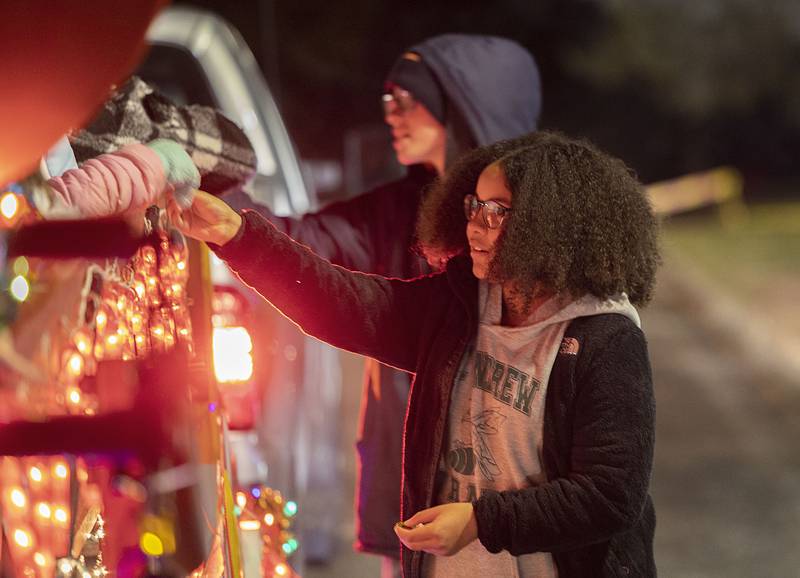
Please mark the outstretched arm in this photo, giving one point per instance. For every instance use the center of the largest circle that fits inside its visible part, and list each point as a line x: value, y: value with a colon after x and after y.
x: 366, y: 314
x: 360, y: 233
x: 129, y: 178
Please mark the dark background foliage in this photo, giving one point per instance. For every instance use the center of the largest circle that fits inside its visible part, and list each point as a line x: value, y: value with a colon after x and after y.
x: 670, y: 86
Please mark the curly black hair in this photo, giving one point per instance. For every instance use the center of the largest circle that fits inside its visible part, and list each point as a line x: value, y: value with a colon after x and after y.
x: 581, y: 221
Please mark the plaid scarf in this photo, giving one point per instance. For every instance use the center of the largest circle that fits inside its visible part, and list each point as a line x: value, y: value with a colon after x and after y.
x: 139, y: 113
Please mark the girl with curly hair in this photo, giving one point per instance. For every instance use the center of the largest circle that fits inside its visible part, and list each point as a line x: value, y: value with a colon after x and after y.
x: 530, y: 426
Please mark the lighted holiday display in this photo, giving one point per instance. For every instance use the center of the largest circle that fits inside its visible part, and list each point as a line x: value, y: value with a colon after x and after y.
x: 129, y: 310
x: 38, y: 515
x: 264, y: 510
x: 86, y: 556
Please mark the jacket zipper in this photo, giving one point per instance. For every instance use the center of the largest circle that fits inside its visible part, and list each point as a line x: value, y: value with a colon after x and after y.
x: 446, y: 383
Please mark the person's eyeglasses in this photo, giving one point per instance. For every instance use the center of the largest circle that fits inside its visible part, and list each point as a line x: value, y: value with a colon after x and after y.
x: 399, y: 100
x: 493, y: 212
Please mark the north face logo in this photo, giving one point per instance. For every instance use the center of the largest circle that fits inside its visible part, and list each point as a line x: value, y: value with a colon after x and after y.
x: 569, y: 346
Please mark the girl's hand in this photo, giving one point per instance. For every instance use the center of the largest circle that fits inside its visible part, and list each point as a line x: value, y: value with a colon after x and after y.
x: 441, y: 530
x: 208, y: 219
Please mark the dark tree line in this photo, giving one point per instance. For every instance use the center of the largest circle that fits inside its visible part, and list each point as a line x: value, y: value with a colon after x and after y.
x: 672, y: 86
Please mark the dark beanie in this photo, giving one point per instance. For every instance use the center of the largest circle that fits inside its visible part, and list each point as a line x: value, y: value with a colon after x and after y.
x: 414, y: 76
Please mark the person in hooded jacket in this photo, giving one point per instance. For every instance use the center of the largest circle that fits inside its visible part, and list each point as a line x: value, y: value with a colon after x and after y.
x: 529, y: 438
x: 444, y: 96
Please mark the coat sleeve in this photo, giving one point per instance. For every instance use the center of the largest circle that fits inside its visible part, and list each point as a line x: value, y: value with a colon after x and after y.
x: 111, y: 183
x: 606, y: 489
x: 366, y: 314
x: 341, y: 232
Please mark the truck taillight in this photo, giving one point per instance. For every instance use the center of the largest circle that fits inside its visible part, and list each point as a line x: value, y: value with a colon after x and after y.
x: 233, y: 354
x: 231, y: 340
x: 232, y: 346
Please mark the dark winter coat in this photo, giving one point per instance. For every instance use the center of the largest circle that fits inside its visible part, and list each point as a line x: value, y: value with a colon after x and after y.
x: 374, y: 233
x: 492, y: 92
x: 594, y: 513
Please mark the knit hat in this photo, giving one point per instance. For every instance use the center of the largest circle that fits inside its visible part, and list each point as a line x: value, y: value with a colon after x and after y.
x: 411, y: 74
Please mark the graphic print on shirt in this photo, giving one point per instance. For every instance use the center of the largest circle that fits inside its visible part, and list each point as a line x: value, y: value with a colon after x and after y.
x: 463, y: 458
x: 505, y: 382
x: 477, y: 456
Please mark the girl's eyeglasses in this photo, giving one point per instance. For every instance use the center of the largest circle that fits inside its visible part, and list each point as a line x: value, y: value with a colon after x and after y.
x: 398, y: 101
x: 493, y: 212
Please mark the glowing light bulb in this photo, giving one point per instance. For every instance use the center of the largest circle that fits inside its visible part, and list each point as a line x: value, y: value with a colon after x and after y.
x: 249, y: 525
x: 289, y: 546
x: 75, y: 364
x: 61, y: 471
x: 61, y: 515
x: 19, y: 287
x: 74, y: 395
x: 82, y: 342
x: 40, y: 559
x: 112, y: 344
x: 18, y: 498
x: 65, y: 567
x: 9, y: 205
x: 241, y: 499
x: 269, y: 519
x: 43, y: 510
x: 181, y: 265
x: 100, y: 320
x: 35, y: 474
x: 151, y: 544
x: 136, y: 323
x: 290, y: 509
x: 281, y: 569
x: 23, y: 539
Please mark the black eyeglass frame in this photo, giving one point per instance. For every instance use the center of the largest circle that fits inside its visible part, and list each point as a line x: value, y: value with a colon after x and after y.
x: 492, y: 212
x: 398, y: 101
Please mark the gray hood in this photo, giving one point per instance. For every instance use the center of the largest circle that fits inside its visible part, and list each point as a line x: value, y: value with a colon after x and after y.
x: 491, y: 83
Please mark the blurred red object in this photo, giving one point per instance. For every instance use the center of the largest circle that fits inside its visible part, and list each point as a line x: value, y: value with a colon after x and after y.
x: 58, y: 61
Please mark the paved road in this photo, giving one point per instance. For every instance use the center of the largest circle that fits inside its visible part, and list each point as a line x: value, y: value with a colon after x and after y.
x: 727, y: 475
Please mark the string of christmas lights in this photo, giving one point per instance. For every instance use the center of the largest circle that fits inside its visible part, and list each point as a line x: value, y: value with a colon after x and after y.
x: 128, y: 310
x: 262, y: 509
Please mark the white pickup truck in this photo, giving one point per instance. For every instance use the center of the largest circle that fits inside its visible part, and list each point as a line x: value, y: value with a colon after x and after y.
x: 291, y: 443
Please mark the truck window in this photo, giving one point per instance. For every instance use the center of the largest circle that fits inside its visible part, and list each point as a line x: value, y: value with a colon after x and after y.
x: 177, y: 74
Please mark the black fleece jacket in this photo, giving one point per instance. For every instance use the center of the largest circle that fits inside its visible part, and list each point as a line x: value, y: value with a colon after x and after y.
x: 491, y: 88
x: 594, y: 513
